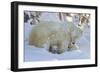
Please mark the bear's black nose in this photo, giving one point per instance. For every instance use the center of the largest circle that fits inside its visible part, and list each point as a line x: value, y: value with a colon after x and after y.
x: 79, y: 25
x: 73, y: 42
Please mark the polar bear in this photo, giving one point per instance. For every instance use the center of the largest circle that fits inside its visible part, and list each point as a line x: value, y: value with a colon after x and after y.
x: 51, y: 34
x: 57, y: 36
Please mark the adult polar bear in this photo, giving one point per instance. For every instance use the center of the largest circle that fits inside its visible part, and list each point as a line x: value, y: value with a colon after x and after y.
x: 57, y: 36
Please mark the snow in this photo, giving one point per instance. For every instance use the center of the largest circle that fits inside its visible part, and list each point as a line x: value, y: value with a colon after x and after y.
x: 32, y: 53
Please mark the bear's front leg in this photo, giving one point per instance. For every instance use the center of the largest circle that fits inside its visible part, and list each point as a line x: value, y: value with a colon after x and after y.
x: 53, y: 49
x: 57, y: 48
x: 61, y: 47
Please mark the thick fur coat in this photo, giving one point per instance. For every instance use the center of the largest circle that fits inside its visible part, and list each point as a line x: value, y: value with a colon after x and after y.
x: 56, y: 36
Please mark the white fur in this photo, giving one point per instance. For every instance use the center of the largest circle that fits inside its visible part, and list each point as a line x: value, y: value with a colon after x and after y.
x: 55, y: 34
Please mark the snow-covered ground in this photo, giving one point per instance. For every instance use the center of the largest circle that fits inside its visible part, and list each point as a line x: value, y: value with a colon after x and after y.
x: 32, y: 53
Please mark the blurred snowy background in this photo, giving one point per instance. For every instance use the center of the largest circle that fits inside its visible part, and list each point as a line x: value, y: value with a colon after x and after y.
x: 32, y: 53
